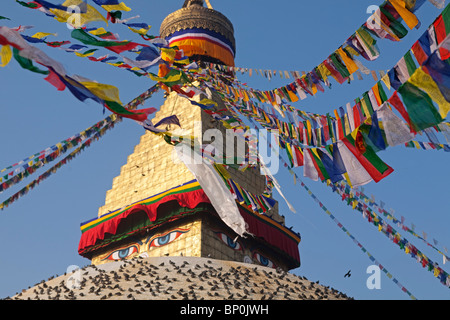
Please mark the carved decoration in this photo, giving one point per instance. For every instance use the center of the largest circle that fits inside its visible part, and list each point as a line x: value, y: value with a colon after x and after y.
x: 198, y: 17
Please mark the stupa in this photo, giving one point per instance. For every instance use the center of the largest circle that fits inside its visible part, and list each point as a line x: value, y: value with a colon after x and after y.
x: 158, y: 208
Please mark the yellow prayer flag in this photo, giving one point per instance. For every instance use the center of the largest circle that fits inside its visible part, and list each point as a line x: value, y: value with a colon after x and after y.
x: 424, y: 81
x: 246, y: 98
x: 324, y: 71
x: 116, y: 7
x: 103, y: 91
x: 5, y: 55
x: 142, y: 31
x: 349, y: 63
x: 313, y: 89
x: 386, y: 81
x: 168, y: 54
x: 167, y: 79
x: 436, y: 272
x: 77, y: 17
x: 98, y: 31
x: 416, y: 144
x: 365, y: 108
x: 314, y: 150
x: 308, y: 127
x: 409, y: 17
x: 376, y: 93
x: 352, y: 51
x: 292, y: 96
x: 40, y: 35
x: 84, y: 55
x: 222, y: 170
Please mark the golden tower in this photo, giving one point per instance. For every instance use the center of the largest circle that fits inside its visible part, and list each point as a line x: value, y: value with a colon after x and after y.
x: 156, y: 207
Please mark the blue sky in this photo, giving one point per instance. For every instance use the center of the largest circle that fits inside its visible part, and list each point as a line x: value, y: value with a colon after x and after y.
x: 39, y: 233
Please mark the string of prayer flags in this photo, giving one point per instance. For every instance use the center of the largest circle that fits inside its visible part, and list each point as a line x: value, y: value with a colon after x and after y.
x: 66, y: 12
x: 115, y: 46
x: 112, y: 5
x: 348, y: 193
x: 374, y: 99
x: 393, y: 235
x: 410, y: 249
x: 30, y: 165
x: 25, y: 163
x: 128, y: 64
x: 106, y: 95
x: 427, y: 145
x: 368, y: 139
x: 85, y: 138
x: 341, y: 64
x: 54, y: 169
x: 340, y: 225
x: 78, y: 14
x: 283, y: 74
x: 344, y: 229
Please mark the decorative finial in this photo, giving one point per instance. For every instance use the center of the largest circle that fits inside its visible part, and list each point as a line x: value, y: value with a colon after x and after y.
x: 188, y: 3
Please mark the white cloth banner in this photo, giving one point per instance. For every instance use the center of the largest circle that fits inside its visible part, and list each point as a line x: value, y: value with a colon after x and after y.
x: 357, y: 174
x: 309, y: 170
x: 214, y: 187
x: 396, y: 131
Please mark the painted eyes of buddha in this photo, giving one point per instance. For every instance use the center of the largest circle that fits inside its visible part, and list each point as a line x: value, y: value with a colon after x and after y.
x: 235, y: 245
x: 263, y: 260
x: 164, y: 239
x: 123, y: 253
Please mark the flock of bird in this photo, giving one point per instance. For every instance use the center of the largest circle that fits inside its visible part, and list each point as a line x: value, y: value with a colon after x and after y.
x: 177, y: 278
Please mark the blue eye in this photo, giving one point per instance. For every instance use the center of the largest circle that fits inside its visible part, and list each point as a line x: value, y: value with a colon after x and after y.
x: 159, y: 241
x: 122, y: 253
x: 264, y: 261
x: 163, y: 240
x: 236, y: 245
x: 231, y: 243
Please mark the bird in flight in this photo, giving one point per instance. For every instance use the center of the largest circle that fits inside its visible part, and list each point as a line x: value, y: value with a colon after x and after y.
x: 347, y: 274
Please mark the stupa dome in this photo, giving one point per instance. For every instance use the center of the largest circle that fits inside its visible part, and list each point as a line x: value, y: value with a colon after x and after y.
x: 202, y: 33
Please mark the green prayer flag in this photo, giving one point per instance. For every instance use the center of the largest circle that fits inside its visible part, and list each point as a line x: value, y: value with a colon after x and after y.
x: 410, y: 64
x: 339, y: 65
x: 396, y: 26
x: 27, y: 63
x: 420, y: 107
x: 446, y: 18
x: 382, y: 93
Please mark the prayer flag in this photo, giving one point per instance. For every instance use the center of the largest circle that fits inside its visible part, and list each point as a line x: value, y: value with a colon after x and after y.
x: 367, y: 157
x: 420, y: 108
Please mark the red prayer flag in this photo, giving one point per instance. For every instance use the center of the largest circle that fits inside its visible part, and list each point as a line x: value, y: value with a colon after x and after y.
x: 398, y: 105
x: 441, y: 34
x: 419, y: 53
x: 55, y: 81
x: 123, y: 47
